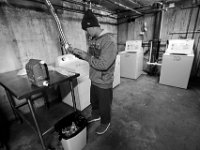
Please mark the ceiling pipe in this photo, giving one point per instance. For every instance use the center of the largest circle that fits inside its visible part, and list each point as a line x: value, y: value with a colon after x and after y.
x: 140, y: 9
x: 150, y: 10
x: 110, y: 14
x: 129, y: 19
x: 68, y: 9
x: 123, y: 6
x: 90, y: 5
x: 85, y: 3
x: 135, y: 3
x: 132, y: 17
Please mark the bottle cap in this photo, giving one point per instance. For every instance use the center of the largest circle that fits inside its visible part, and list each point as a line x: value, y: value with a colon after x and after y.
x: 42, y: 62
x: 45, y: 83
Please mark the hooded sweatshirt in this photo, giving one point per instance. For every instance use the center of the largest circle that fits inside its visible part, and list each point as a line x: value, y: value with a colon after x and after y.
x: 102, y: 52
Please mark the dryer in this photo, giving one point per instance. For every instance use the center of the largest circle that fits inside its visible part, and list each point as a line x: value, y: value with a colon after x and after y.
x: 177, y: 63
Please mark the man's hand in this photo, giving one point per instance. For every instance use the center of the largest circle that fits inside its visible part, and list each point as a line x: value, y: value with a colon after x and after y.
x: 80, y: 53
x: 70, y: 49
x: 77, y: 52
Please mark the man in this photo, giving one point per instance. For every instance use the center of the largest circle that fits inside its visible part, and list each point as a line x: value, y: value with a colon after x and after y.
x: 101, y: 58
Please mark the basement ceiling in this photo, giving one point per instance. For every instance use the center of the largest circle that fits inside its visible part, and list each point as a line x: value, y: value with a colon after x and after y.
x: 118, y: 9
x: 134, y: 8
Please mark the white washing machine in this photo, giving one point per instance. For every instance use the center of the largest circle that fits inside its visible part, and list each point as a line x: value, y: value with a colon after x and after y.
x: 177, y: 63
x: 81, y: 92
x: 73, y: 64
x: 131, y: 60
x: 81, y: 86
x: 116, y: 81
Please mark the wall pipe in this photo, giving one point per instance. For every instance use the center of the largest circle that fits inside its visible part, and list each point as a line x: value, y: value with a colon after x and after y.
x: 195, y: 24
x: 193, y: 6
x: 197, y: 57
x: 188, y: 25
x: 156, y: 33
x: 189, y: 32
x: 150, y: 62
x: 155, y: 43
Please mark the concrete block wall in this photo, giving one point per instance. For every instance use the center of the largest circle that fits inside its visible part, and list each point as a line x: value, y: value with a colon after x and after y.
x: 26, y: 34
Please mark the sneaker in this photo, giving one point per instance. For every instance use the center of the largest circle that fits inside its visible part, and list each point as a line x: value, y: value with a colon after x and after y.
x: 93, y: 119
x: 102, y: 128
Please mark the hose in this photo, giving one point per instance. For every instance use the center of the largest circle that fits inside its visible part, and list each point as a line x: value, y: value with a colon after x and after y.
x: 62, y: 35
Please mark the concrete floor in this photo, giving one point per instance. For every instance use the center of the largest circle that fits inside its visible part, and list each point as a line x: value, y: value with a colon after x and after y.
x: 145, y: 116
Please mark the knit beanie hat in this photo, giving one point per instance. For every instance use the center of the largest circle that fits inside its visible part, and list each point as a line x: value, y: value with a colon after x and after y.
x: 89, y: 20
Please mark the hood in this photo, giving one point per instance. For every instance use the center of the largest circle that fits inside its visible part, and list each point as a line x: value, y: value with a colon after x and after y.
x: 104, y: 32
